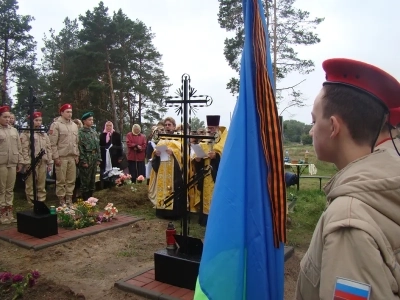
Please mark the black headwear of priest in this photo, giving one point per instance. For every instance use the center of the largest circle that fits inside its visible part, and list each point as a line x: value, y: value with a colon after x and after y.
x: 213, y: 120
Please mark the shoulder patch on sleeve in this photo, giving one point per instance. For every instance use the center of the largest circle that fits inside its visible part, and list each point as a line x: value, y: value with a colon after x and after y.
x: 350, y: 289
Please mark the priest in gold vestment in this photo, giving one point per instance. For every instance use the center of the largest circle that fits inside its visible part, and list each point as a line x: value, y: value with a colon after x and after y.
x: 166, y: 182
x: 213, y: 149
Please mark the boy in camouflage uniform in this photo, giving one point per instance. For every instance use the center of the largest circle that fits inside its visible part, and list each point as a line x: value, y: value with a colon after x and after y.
x: 89, y: 155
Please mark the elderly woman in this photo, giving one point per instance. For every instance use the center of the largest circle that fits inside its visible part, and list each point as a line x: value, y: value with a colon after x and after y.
x: 136, y: 143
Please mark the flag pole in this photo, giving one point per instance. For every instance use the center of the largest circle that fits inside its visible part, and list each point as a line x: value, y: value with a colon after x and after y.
x: 275, y: 44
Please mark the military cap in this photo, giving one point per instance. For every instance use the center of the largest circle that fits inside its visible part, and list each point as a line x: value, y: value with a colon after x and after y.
x: 4, y: 109
x: 87, y: 115
x: 364, y: 77
x: 36, y: 114
x: 65, y: 107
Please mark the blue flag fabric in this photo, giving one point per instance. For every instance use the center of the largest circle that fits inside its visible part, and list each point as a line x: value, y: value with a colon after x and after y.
x: 240, y: 260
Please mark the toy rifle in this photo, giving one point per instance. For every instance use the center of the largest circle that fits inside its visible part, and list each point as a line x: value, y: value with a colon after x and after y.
x: 36, y: 162
x: 204, y: 172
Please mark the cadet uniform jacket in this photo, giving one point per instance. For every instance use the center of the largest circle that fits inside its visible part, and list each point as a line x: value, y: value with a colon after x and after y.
x: 42, y: 141
x: 63, y: 136
x: 389, y: 144
x: 358, y: 236
x: 10, y: 147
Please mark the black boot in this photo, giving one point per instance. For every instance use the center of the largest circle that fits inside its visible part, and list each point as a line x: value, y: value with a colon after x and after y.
x: 85, y: 196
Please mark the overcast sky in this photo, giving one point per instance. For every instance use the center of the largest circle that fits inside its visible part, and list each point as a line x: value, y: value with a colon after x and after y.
x: 190, y: 39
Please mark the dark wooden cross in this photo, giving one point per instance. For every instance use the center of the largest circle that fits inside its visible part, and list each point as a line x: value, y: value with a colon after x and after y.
x: 186, y: 101
x: 33, y: 102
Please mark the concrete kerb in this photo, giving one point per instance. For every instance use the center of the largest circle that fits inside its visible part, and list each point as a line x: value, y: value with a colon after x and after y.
x: 25, y: 245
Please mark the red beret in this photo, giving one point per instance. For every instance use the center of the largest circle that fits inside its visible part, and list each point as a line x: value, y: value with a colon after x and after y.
x: 213, y: 120
x: 364, y: 77
x: 4, y: 109
x: 394, y: 116
x: 65, y: 107
x: 36, y: 114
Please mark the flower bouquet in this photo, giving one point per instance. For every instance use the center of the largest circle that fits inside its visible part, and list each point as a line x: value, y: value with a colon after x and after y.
x: 110, y: 212
x: 140, y: 179
x: 123, y: 179
x: 17, y: 283
x: 117, y: 177
x: 65, y: 216
x: 80, y: 215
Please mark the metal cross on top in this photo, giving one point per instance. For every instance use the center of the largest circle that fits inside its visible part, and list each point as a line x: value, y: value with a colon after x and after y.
x: 38, y: 207
x: 186, y: 102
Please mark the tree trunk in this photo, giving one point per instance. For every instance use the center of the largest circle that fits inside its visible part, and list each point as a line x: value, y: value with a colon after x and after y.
x: 131, y: 105
x: 140, y: 110
x: 112, y: 95
x: 121, y: 108
x: 62, y: 79
x: 5, y: 69
x: 139, y: 120
x: 129, y: 108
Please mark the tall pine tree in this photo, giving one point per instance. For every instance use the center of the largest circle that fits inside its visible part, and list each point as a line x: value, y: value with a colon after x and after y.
x: 292, y: 26
x: 17, y: 46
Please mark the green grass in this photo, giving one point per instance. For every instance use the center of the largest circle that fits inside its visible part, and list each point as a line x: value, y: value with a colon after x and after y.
x: 128, y: 253
x: 296, y: 152
x: 309, y: 206
x: 195, y: 230
x: 310, y: 200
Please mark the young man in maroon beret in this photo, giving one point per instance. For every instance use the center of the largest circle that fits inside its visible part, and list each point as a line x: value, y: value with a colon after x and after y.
x: 354, y: 251
x: 63, y: 136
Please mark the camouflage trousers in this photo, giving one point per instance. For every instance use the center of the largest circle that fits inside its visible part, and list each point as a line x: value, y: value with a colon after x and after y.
x: 88, y: 176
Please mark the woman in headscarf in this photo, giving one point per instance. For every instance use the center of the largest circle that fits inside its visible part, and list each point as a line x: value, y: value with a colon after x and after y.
x: 136, y: 143
x: 110, y: 141
x: 12, y: 120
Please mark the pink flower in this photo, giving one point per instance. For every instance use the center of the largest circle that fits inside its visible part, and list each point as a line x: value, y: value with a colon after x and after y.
x: 17, y: 278
x: 35, y: 274
x: 6, y: 276
x: 92, y: 201
x: 140, y: 178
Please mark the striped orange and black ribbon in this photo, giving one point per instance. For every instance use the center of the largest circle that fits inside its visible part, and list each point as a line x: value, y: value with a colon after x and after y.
x: 271, y: 134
